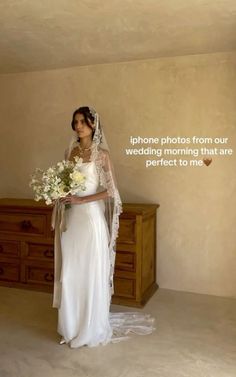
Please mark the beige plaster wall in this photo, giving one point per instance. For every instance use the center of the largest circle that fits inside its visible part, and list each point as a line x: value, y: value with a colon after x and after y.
x: 181, y: 96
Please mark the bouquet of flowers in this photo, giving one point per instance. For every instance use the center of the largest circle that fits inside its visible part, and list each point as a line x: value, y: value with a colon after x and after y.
x: 58, y: 181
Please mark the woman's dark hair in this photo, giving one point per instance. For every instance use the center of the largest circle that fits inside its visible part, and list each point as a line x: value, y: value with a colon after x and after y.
x: 84, y: 110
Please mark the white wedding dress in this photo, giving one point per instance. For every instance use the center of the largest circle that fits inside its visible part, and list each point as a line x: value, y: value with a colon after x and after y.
x: 84, y: 316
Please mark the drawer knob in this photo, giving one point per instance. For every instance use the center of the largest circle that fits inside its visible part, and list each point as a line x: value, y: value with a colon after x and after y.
x: 26, y: 224
x: 48, y: 277
x: 48, y: 253
x: 1, y: 271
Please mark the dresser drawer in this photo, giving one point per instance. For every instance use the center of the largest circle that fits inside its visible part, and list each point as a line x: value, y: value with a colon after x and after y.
x: 124, y: 287
x: 9, y: 271
x: 9, y: 248
x: 39, y: 251
x: 37, y: 273
x: 125, y: 261
x: 127, y: 231
x: 23, y: 223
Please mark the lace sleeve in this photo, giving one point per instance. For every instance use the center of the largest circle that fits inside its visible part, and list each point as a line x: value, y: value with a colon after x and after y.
x: 108, y: 179
x: 113, y: 202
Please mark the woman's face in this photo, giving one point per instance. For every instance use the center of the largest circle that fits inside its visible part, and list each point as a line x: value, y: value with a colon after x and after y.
x: 82, y: 129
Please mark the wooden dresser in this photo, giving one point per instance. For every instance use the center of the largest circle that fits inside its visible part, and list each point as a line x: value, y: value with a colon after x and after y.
x: 26, y: 249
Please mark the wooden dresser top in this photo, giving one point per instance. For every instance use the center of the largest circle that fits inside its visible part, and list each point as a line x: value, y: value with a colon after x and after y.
x: 135, y: 208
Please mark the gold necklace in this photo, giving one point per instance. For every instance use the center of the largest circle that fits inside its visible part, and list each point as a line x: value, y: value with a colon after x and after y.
x: 82, y: 150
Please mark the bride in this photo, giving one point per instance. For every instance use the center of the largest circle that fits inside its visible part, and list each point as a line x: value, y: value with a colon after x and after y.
x: 85, y: 241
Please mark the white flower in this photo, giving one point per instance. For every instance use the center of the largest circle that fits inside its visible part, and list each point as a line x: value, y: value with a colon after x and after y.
x: 61, y: 189
x: 47, y: 188
x: 50, y: 171
x: 77, y: 177
x: 78, y: 160
x: 48, y: 201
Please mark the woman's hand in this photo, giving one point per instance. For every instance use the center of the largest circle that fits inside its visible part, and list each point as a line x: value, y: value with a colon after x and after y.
x: 72, y: 199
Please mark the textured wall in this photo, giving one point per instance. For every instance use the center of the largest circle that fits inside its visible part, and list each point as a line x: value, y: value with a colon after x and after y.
x: 181, y: 96
x: 37, y: 35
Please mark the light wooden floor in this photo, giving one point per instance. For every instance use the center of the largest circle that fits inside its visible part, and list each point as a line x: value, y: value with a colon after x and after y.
x: 195, y: 337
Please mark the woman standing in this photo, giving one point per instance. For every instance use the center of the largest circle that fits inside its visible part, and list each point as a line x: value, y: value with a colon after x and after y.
x: 85, y: 236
